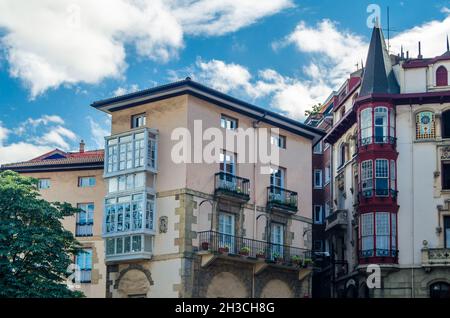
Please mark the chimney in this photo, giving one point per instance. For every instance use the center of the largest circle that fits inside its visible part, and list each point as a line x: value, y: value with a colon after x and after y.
x: 407, y: 54
x: 420, y: 52
x: 82, y: 144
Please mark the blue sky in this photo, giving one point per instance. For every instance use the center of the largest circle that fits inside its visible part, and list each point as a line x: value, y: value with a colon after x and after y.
x: 280, y: 54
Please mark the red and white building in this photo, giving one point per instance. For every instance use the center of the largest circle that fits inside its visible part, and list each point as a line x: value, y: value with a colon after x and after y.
x: 390, y: 167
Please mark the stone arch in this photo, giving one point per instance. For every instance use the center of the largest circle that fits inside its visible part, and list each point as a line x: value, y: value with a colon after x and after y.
x: 226, y: 285
x: 276, y: 288
x: 134, y: 280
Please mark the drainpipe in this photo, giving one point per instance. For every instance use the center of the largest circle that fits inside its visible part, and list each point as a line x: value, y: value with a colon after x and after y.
x: 331, y: 202
x: 412, y: 200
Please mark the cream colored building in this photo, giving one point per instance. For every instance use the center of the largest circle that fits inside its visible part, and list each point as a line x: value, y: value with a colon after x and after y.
x: 195, y: 229
x: 76, y: 178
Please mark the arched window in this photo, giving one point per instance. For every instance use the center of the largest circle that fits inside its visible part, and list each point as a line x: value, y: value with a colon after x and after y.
x: 425, y: 125
x: 440, y: 290
x: 441, y: 76
x: 342, y: 156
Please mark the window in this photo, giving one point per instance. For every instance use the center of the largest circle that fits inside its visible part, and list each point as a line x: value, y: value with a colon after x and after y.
x: 279, y: 141
x: 277, y: 238
x: 228, y: 122
x: 85, y: 219
x: 277, y: 177
x: 139, y: 120
x: 318, y: 214
x: 381, y: 124
x: 446, y: 124
x: 367, y: 234
x: 381, y: 177
x: 327, y: 175
x: 84, y: 263
x: 366, y: 178
x: 446, y: 176
x: 366, y: 126
x: 228, y: 162
x: 318, y: 246
x: 318, y: 148
x: 341, y: 155
x: 440, y: 290
x: 447, y: 231
x: 226, y: 231
x: 393, y: 175
x: 425, y: 125
x: 318, y: 179
x: 378, y: 234
x: 382, y: 233
x: 44, y: 184
x: 441, y: 76
x: 84, y: 182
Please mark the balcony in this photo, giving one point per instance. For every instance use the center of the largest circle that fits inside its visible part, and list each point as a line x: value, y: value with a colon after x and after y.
x: 131, y: 152
x: 231, y: 187
x: 128, y: 247
x: 379, y: 140
x: 337, y: 221
x: 435, y: 257
x: 282, y: 200
x: 214, y: 244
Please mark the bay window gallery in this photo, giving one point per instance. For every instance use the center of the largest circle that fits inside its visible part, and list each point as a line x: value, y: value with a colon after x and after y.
x: 377, y: 125
x: 378, y: 177
x: 378, y: 234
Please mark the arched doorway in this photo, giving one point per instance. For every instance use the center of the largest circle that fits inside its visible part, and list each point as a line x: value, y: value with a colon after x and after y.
x: 226, y: 285
x: 133, y: 283
x: 440, y: 290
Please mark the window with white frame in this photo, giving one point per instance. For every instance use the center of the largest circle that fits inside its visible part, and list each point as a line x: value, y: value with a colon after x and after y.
x: 382, y: 233
x: 366, y: 126
x: 393, y: 175
x: 85, y: 182
x: 85, y: 219
x: 279, y: 141
x: 228, y: 122
x: 277, y: 177
x: 318, y: 214
x: 381, y: 177
x: 139, y: 120
x: 318, y: 179
x: 126, y: 182
x: 367, y: 234
x: 43, y: 184
x: 84, y: 264
x: 381, y: 124
x: 367, y: 177
x: 318, y: 148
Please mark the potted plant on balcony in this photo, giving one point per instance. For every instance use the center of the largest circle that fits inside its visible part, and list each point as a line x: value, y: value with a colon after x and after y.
x: 244, y: 251
x: 308, y: 263
x: 224, y: 249
x: 277, y: 258
x: 205, y: 246
x: 261, y: 254
x: 296, y: 260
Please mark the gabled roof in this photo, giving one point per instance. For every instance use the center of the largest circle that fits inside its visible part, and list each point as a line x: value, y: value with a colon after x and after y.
x: 58, y: 160
x: 190, y: 87
x: 378, y: 77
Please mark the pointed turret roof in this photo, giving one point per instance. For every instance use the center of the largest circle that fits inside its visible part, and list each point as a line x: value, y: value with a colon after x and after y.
x: 378, y: 75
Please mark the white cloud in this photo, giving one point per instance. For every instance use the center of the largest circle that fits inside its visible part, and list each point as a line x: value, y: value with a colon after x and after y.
x: 83, y: 41
x: 34, y: 137
x: 99, y: 132
x: 122, y: 90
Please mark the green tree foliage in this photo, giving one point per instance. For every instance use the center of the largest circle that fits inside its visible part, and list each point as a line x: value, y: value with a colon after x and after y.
x: 35, y: 249
x: 314, y: 111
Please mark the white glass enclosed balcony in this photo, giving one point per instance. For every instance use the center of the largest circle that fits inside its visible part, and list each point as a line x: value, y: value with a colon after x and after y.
x: 132, y: 151
x: 129, y: 247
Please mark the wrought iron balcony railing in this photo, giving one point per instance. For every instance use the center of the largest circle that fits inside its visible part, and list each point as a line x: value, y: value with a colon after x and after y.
x: 282, y: 199
x: 231, y: 185
x: 222, y: 243
x: 377, y: 140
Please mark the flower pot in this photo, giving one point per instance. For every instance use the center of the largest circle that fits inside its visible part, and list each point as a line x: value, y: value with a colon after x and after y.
x: 223, y: 250
x: 205, y: 246
x: 261, y: 256
x: 243, y: 253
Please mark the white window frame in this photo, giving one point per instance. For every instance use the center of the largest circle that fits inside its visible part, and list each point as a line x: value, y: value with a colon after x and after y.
x: 318, y: 148
x: 316, y: 185
x: 279, y: 141
x: 367, y: 175
x: 138, y: 120
x: 44, y: 183
x: 382, y: 174
x: 89, y: 183
x: 366, y: 126
x: 367, y: 232
x: 318, y: 211
x: 228, y: 122
x: 381, y: 112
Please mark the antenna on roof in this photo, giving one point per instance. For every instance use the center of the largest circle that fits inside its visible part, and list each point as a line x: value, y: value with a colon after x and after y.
x: 402, y: 54
x: 420, y: 52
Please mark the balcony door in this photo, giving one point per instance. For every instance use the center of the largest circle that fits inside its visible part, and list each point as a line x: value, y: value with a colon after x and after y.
x: 277, y: 183
x: 226, y: 231
x: 447, y: 231
x: 277, y: 239
x: 228, y: 169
